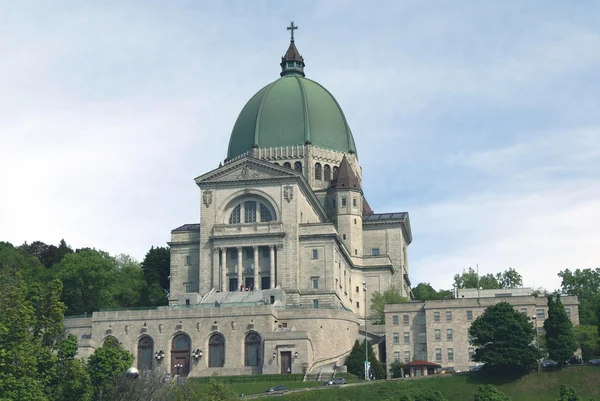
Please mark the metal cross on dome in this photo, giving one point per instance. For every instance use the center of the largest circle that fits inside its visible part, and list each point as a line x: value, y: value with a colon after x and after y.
x: 291, y: 28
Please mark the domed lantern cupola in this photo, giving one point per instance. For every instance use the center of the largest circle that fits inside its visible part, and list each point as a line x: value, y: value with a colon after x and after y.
x: 292, y: 63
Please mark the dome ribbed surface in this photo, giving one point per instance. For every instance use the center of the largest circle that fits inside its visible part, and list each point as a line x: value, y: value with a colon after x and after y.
x: 291, y: 111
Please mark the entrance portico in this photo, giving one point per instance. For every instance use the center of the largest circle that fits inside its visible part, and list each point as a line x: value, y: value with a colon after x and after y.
x: 245, y: 269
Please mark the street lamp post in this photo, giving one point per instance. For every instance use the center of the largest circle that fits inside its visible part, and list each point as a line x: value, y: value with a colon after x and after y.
x: 364, y: 283
x: 537, y: 342
x: 178, y: 368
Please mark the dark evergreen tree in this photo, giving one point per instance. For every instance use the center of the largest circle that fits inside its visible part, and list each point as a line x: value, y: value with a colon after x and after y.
x: 356, y: 362
x: 560, y: 340
x: 503, y: 338
x: 156, y: 267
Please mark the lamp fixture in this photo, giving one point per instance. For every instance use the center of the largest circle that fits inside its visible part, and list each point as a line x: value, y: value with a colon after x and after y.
x: 197, y: 354
x: 296, y: 355
x: 274, y: 355
x: 158, y: 355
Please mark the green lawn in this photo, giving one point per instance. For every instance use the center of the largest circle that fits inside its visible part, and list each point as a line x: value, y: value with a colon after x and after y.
x: 543, y: 386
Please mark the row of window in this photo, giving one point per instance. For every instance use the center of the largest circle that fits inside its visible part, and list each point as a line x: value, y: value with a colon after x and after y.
x: 250, y: 213
x: 324, y: 172
x: 406, y: 319
x: 449, y: 352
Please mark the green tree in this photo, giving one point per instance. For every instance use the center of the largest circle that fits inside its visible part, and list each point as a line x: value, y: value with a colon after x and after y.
x: 425, y: 292
x: 105, y: 365
x: 568, y: 394
x: 396, y: 369
x: 503, y: 338
x: 509, y: 279
x: 89, y: 278
x: 356, y: 359
x: 560, y: 340
x: 588, y: 340
x: 470, y: 279
x: 130, y: 283
x: 71, y: 381
x: 585, y: 284
x: 157, y: 266
x: 379, y: 300
x: 19, y: 347
x: 487, y: 392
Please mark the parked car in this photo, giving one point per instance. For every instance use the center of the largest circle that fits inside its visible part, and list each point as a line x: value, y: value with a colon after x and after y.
x: 476, y: 368
x: 335, y: 382
x: 594, y: 361
x: 277, y: 388
x: 548, y: 363
x: 444, y: 371
x: 575, y: 360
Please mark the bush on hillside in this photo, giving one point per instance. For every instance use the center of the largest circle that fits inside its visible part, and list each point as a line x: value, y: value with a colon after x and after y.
x: 487, y: 392
x: 568, y: 394
x: 430, y: 395
x: 396, y: 369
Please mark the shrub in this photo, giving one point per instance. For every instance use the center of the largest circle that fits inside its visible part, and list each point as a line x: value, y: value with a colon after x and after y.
x: 487, y: 392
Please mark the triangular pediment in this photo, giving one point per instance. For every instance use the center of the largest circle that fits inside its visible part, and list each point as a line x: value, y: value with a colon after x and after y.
x: 246, y: 169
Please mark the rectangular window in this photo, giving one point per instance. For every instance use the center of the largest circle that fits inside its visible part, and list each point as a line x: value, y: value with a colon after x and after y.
x: 315, y: 303
x: 187, y: 260
x: 421, y: 320
x: 541, y: 331
x: 438, y: 354
x: 334, y: 203
x: 449, y: 334
x: 375, y: 251
x: 396, y: 356
x: 188, y: 287
x: 344, y: 236
x: 343, y: 201
x: 249, y: 253
x: 450, y: 354
x: 353, y: 202
x: 394, y: 318
x: 358, y: 290
x: 406, y: 356
x: 406, y: 338
x: 524, y: 310
x: 250, y: 212
x: 469, y: 315
x: 568, y: 310
x: 265, y: 252
x: 354, y: 221
x: 471, y: 353
x: 396, y: 338
x: 436, y: 316
x: 357, y: 304
x: 540, y: 314
x: 405, y: 320
x: 422, y: 338
x: 355, y: 251
x: 448, y: 316
x: 438, y: 334
x: 315, y: 254
x: 234, y: 254
x: 315, y: 283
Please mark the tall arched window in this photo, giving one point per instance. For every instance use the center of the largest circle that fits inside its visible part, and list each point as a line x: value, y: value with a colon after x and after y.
x: 145, y: 355
x: 180, y: 355
x: 252, y: 350
x: 335, y: 170
x: 327, y: 172
x: 318, y: 172
x: 216, y: 351
x: 251, y: 211
x: 298, y: 167
x: 287, y: 165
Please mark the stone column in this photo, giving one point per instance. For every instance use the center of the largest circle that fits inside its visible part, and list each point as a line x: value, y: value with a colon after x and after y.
x: 240, y: 268
x: 272, y: 261
x: 256, y: 285
x: 215, y: 270
x: 224, y: 270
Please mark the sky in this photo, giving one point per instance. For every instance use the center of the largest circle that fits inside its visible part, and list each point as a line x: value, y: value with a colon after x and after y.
x: 481, y: 119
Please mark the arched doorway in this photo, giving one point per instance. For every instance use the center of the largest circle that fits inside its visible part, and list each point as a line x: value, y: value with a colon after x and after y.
x: 180, y: 355
x: 252, y: 350
x: 216, y: 351
x: 145, y: 355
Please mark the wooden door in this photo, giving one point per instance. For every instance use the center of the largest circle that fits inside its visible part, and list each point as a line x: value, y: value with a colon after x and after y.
x: 180, y: 358
x: 286, y: 362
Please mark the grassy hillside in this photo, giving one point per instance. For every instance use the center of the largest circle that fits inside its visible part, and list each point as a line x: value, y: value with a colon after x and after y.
x: 543, y: 386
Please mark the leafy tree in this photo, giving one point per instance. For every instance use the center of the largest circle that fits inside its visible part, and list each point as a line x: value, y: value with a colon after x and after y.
x: 425, y: 292
x: 72, y: 381
x: 585, y: 284
x: 379, y: 300
x: 470, y: 279
x: 540, y: 291
x: 487, y: 392
x: 509, y: 279
x: 356, y: 359
x: 560, y: 339
x: 503, y: 338
x: 106, y: 364
x: 150, y: 385
x: 568, y: 394
x: 89, y: 278
x: 19, y: 348
x: 49, y: 312
x: 130, y: 283
x: 588, y: 340
x: 157, y: 266
x: 49, y: 255
x: 396, y: 368
x: 430, y: 395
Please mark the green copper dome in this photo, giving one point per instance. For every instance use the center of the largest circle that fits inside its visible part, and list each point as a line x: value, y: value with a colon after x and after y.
x: 291, y: 111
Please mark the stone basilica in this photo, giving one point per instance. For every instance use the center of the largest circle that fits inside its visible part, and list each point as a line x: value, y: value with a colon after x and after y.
x: 272, y: 278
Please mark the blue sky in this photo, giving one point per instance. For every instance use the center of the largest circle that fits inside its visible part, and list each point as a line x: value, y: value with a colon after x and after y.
x: 481, y: 119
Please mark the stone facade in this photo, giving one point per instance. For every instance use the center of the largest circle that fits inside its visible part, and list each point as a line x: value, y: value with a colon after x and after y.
x: 438, y: 331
